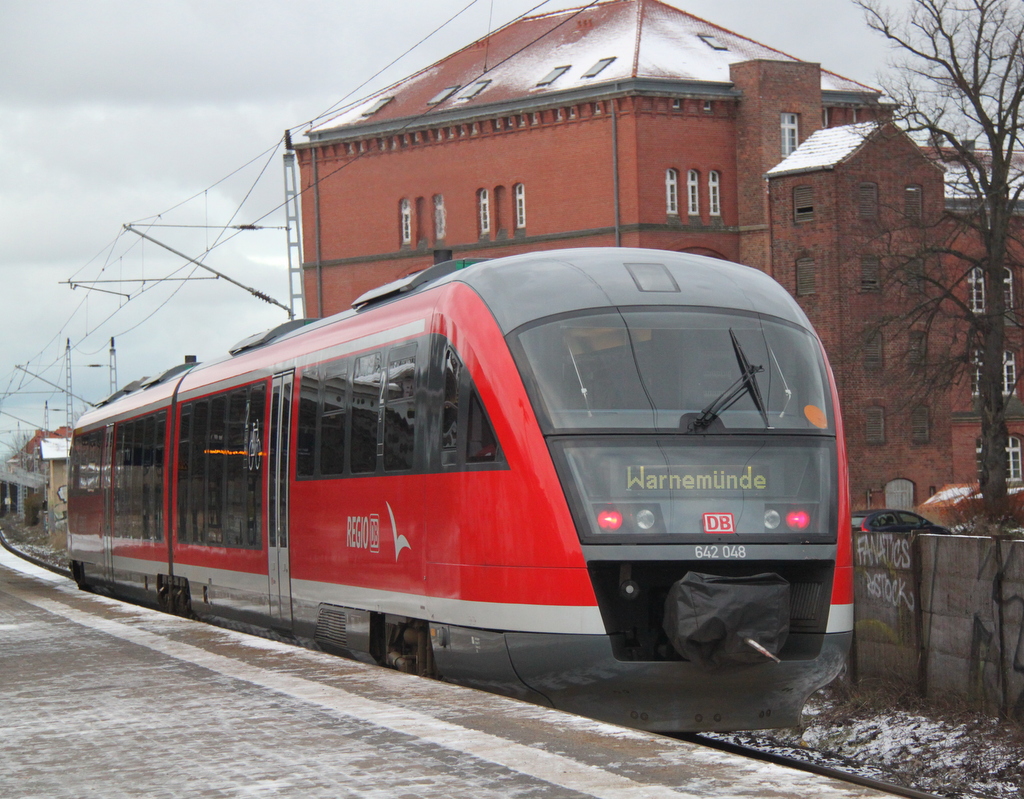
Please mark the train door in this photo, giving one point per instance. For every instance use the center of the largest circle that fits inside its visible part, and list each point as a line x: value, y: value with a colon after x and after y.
x: 107, y: 494
x: 277, y: 518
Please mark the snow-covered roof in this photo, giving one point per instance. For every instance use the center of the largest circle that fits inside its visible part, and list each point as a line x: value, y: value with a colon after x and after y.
x: 554, y: 53
x: 54, y: 449
x: 824, y: 149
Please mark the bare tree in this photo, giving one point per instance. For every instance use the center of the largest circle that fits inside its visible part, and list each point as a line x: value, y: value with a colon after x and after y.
x: 958, y: 86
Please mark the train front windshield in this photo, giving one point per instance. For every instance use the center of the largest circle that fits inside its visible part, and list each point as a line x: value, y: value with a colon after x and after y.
x: 677, y: 422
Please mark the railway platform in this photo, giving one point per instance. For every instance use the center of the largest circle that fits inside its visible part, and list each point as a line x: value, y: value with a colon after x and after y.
x: 102, y: 698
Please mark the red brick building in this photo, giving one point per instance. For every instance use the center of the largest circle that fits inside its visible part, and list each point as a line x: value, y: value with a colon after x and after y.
x: 632, y: 123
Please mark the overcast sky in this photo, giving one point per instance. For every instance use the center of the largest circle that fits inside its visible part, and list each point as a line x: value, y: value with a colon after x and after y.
x: 135, y: 111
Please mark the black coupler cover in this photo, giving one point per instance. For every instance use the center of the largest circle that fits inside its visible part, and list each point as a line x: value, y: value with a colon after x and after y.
x: 708, y: 618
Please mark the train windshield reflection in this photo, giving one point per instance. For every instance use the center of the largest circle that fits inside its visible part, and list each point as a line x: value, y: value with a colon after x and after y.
x: 681, y: 369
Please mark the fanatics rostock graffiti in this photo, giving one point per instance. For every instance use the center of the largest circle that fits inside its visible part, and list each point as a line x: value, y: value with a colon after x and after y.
x: 944, y: 614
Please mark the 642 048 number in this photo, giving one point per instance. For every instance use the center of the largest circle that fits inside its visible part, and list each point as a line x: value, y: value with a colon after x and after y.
x: 711, y: 551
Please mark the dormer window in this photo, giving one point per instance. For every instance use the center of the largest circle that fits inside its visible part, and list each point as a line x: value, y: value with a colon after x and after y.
x: 596, y: 70
x: 475, y: 89
x: 443, y: 95
x: 377, y: 106
x: 711, y: 41
x: 553, y: 75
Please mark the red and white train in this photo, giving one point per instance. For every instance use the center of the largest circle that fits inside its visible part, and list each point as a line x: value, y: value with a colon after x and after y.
x: 608, y: 480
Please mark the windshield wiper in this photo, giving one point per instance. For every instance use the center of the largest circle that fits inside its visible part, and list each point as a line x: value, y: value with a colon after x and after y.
x: 745, y: 383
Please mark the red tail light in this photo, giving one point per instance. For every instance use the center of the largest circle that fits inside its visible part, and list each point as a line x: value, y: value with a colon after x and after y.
x: 609, y: 519
x: 798, y: 519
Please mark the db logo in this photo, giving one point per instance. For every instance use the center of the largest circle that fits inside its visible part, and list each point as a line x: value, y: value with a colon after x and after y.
x: 719, y: 523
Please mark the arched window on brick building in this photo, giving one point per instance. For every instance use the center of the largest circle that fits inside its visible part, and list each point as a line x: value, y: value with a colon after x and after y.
x: 483, y: 207
x: 714, y: 194
x: 519, y: 193
x: 1009, y: 372
x: 976, y: 290
x: 672, y: 192
x: 693, y: 192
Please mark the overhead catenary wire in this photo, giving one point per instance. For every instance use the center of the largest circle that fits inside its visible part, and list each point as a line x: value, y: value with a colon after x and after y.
x: 156, y: 220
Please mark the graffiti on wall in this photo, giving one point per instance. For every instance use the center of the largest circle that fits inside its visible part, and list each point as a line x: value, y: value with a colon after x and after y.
x: 883, y: 566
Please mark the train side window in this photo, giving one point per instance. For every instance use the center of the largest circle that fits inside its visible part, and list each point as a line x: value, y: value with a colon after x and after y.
x: 85, y: 462
x: 309, y: 402
x: 216, y: 470
x: 481, y: 444
x: 450, y: 413
x: 157, y: 493
x: 184, y: 474
x: 400, y: 410
x: 254, y: 431
x: 122, y: 467
x: 148, y: 425
x: 236, y: 459
x: 366, y: 385
x: 198, y: 462
x: 331, y: 442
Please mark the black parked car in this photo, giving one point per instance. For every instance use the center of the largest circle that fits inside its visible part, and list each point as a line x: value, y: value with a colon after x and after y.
x: 886, y: 520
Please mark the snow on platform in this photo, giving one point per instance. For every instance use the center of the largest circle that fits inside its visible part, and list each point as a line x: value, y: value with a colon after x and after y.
x: 102, y: 698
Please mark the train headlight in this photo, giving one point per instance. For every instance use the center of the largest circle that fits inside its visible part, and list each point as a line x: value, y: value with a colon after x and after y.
x: 609, y: 519
x: 772, y: 519
x: 645, y: 519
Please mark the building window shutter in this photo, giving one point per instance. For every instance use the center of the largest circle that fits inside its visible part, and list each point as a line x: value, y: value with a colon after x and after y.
x: 918, y: 349
x: 915, y: 276
x: 805, y: 277
x: 405, y: 215
x: 870, y: 273
x: 803, y: 204
x: 919, y: 431
x: 867, y: 200
x: 873, y: 351
x: 440, y: 218
x: 875, y: 425
x: 912, y: 205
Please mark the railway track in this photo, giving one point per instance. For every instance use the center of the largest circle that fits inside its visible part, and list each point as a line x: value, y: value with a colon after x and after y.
x: 805, y: 765
x: 63, y: 572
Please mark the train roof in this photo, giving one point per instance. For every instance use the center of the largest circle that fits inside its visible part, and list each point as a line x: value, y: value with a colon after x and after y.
x: 518, y: 290
x: 523, y: 288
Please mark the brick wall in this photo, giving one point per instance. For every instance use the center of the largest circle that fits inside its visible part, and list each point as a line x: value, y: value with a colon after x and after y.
x: 844, y: 311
